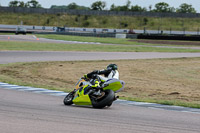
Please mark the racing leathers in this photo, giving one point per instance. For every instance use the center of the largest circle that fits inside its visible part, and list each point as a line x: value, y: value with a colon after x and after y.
x: 108, y: 74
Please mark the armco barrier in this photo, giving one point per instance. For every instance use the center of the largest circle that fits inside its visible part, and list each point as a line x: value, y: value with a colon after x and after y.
x: 112, y: 35
x: 169, y: 37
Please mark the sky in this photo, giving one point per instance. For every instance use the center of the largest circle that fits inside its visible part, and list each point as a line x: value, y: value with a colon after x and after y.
x: 142, y: 3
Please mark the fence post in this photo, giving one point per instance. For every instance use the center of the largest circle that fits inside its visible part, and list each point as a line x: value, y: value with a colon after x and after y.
x: 144, y: 30
x: 170, y: 30
x: 184, y: 31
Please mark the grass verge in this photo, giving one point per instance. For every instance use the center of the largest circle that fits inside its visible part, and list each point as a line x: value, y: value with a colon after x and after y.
x: 90, y: 39
x: 120, y: 40
x: 164, y: 81
x: 37, y: 46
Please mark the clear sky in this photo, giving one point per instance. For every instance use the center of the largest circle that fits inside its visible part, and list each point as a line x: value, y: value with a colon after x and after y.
x: 143, y: 3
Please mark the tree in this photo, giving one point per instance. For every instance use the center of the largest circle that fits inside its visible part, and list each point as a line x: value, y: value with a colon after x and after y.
x: 33, y: 4
x: 72, y: 6
x: 162, y: 7
x: 112, y: 7
x: 185, y: 8
x: 29, y: 4
x: 128, y: 4
x: 21, y: 4
x: 121, y: 8
x: 137, y: 8
x: 172, y: 9
x: 13, y: 3
x: 98, y: 5
x: 150, y: 8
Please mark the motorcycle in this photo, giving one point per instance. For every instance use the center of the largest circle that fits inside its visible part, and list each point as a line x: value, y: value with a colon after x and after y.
x: 98, y: 97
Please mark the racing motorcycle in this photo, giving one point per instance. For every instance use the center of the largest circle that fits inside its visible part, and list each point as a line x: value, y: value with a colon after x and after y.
x: 98, y: 97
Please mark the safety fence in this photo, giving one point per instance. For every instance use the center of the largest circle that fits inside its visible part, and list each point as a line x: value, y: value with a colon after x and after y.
x: 94, y: 12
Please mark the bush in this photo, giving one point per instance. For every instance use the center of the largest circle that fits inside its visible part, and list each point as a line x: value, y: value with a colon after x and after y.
x: 124, y: 24
x: 86, y: 17
x: 48, y: 21
x: 76, y: 19
x: 145, y: 20
x: 104, y: 21
x: 86, y: 24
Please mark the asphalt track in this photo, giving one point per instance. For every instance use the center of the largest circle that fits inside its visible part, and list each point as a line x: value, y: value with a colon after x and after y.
x: 29, y: 112
x: 30, y: 56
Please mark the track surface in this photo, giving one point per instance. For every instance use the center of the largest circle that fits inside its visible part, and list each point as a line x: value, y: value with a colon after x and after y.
x: 29, y: 112
x: 30, y: 56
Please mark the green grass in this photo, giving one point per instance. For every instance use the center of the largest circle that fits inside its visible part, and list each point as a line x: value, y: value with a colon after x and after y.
x: 106, y: 40
x: 90, y: 39
x: 35, y: 46
x: 165, y: 102
x: 7, y: 33
x: 115, y: 22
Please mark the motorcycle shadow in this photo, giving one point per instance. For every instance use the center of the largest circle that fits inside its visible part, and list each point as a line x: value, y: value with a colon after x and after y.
x: 86, y: 107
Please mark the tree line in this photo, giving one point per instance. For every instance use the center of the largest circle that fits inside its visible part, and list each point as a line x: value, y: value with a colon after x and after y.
x: 101, y: 5
x: 29, y: 4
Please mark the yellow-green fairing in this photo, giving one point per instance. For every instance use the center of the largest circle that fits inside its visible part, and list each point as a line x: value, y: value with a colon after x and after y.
x: 81, y: 99
x: 114, y: 86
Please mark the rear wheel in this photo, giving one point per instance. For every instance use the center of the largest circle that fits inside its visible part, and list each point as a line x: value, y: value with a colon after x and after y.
x: 68, y: 99
x: 106, y: 100
x: 109, y: 104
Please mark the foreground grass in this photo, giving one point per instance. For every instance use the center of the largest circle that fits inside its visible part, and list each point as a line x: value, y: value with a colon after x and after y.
x: 36, y: 46
x: 164, y: 81
x: 7, y: 33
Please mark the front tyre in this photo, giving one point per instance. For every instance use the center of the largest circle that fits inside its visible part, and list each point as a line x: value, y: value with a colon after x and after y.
x: 106, y: 100
x: 68, y: 99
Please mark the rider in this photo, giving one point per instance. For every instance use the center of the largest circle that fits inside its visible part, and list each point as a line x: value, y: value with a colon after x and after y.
x: 109, y: 73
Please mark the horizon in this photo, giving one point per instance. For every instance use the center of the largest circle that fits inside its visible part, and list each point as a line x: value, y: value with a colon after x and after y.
x: 142, y: 3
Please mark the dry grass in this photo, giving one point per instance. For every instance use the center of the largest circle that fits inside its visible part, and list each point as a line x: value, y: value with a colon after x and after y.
x: 119, y: 22
x: 154, y: 80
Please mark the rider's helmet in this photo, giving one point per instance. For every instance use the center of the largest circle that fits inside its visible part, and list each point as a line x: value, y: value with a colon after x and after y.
x: 112, y: 67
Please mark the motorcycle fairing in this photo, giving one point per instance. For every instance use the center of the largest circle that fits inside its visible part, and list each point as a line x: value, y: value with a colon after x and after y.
x: 114, y: 84
x: 80, y: 98
x: 81, y: 83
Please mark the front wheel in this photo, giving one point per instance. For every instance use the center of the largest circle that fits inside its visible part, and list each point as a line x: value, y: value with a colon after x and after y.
x: 68, y: 99
x: 106, y: 100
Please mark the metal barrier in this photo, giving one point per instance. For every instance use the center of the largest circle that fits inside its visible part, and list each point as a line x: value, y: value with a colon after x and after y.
x: 111, y: 35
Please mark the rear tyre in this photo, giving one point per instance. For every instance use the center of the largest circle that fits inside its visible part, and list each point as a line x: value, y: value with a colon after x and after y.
x: 109, y: 104
x: 105, y: 100
x: 68, y: 99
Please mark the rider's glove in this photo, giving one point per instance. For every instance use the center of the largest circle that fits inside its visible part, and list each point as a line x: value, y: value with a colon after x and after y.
x: 85, y: 76
x: 96, y: 85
